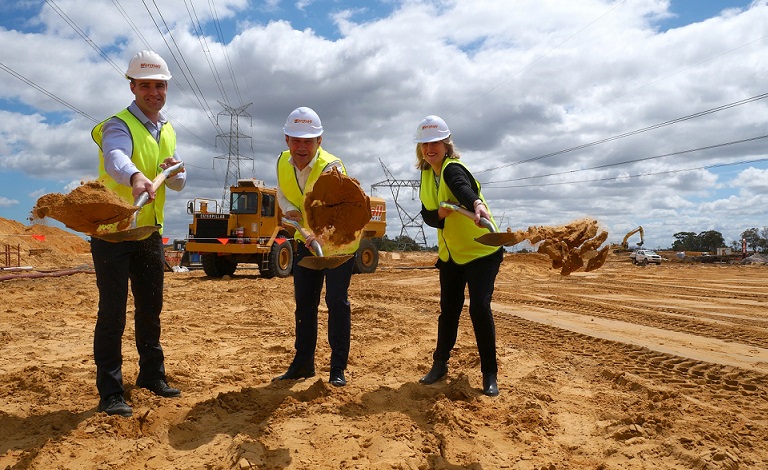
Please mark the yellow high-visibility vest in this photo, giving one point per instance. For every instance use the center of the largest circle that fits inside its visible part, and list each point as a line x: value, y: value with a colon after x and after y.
x: 456, y: 240
x: 289, y: 185
x: 147, y: 155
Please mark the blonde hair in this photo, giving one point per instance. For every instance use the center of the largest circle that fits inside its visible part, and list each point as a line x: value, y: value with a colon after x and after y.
x: 450, y: 152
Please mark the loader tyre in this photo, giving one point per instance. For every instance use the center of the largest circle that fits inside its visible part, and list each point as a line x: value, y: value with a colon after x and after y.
x: 366, y: 257
x: 217, y: 266
x: 279, y: 260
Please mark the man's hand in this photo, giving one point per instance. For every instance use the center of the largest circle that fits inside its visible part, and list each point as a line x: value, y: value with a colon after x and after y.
x: 139, y: 184
x: 293, y: 215
x: 169, y: 162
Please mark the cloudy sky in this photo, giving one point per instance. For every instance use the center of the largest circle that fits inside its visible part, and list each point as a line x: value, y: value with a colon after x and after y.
x: 644, y: 113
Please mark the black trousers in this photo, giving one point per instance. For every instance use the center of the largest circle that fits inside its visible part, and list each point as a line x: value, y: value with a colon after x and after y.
x: 307, y: 286
x: 115, y: 264
x: 479, y: 275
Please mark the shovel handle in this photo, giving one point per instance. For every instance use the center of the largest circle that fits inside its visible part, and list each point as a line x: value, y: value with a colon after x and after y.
x: 159, y: 180
x: 456, y: 208
x: 305, y: 233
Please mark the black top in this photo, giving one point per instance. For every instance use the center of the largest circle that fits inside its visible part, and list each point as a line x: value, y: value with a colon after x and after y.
x: 462, y: 184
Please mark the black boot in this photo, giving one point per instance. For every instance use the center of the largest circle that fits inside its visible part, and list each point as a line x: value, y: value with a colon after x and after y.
x: 438, y: 371
x: 490, y: 387
x: 295, y: 372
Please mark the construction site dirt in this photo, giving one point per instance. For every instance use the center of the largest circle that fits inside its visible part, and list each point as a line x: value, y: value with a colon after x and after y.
x: 624, y: 367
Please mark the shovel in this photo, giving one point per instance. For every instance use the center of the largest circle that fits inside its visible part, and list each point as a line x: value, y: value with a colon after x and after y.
x: 318, y: 261
x: 495, y: 238
x: 139, y: 233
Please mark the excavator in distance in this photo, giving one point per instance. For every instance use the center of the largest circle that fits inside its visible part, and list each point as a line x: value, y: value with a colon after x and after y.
x: 624, y: 243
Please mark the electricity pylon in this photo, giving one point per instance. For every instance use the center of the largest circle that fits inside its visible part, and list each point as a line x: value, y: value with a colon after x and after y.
x: 233, y: 143
x: 407, y: 220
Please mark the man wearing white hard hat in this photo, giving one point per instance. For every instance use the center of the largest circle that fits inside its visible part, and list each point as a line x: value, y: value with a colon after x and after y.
x: 297, y: 170
x: 462, y: 262
x: 135, y: 145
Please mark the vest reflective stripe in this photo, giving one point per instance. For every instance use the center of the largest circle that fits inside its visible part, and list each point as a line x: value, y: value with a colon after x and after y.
x: 456, y: 240
x: 289, y: 185
x: 147, y: 155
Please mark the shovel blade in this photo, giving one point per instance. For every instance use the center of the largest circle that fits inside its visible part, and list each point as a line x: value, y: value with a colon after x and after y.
x: 323, y: 262
x: 500, y: 239
x: 133, y: 234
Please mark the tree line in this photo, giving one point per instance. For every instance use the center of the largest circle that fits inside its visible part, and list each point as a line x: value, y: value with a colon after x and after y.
x: 711, y: 240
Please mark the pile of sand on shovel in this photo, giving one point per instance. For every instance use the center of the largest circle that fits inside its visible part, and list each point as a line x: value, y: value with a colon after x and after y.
x: 87, y: 207
x: 570, y: 247
x: 337, y: 209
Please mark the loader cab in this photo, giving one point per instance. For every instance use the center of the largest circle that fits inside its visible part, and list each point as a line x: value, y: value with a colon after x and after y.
x: 268, y: 205
x: 245, y: 203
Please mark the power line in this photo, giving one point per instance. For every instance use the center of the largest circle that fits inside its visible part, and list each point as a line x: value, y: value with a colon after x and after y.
x: 682, y: 152
x: 631, y: 133
x: 106, y: 57
x: 80, y: 32
x: 217, y: 24
x: 183, y: 91
x: 638, y: 175
x: 198, y: 29
x: 132, y: 24
x: 46, y: 92
x: 201, y: 99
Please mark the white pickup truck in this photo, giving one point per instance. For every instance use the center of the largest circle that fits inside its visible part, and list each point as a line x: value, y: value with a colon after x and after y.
x: 643, y: 257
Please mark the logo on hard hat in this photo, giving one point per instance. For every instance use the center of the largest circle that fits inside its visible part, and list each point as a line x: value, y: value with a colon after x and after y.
x: 149, y: 66
x: 302, y: 121
x: 429, y: 126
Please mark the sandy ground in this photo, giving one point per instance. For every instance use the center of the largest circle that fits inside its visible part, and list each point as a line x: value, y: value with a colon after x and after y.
x: 625, y: 367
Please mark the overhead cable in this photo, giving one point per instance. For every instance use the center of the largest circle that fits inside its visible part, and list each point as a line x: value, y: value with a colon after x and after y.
x: 198, y: 94
x: 607, y: 165
x: 46, y: 92
x: 630, y: 133
x: 198, y: 29
x: 81, y: 33
x: 637, y: 175
x: 182, y: 89
x: 223, y: 42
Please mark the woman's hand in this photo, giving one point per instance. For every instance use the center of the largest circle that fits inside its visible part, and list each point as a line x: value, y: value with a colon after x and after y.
x: 481, y: 211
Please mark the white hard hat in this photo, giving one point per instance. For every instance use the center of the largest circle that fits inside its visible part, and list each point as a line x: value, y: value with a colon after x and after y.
x: 431, y: 129
x: 303, y: 123
x: 148, y: 65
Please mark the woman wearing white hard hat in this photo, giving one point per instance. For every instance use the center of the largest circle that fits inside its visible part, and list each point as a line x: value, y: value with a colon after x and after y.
x: 462, y: 261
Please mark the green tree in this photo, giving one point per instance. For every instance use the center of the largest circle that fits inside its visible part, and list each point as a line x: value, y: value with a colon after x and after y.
x: 752, y: 236
x: 710, y: 241
x: 686, y: 241
x: 764, y: 239
x: 404, y: 243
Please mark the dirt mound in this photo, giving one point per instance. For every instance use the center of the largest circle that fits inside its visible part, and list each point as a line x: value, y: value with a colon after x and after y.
x: 87, y: 207
x: 41, y: 246
x: 337, y: 209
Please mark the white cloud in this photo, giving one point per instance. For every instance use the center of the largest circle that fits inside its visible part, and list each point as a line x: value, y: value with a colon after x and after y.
x: 5, y: 202
x: 514, y: 83
x: 753, y: 180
